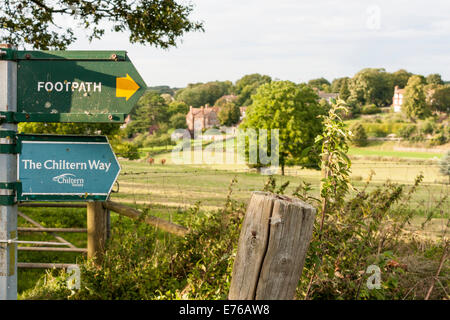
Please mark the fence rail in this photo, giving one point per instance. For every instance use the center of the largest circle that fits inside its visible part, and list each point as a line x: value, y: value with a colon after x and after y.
x: 97, y: 231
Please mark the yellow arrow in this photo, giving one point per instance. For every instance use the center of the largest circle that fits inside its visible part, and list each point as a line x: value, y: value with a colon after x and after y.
x: 126, y: 87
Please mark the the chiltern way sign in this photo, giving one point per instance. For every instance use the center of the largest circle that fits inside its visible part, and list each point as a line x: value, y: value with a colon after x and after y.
x: 65, y: 168
x: 75, y: 86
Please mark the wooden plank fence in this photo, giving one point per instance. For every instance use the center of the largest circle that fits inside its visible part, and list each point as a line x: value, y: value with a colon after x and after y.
x: 97, y: 229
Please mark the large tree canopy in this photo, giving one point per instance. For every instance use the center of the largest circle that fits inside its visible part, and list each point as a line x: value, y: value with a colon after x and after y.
x: 247, y: 86
x: 293, y: 110
x: 372, y: 86
x: 34, y: 22
x: 199, y: 94
x: 414, y: 99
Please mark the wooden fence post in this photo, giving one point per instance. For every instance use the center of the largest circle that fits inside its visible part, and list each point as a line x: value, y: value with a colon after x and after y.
x: 96, y: 230
x: 274, y: 239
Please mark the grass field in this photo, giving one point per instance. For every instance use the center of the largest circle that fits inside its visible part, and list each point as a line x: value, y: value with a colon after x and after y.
x: 167, y: 190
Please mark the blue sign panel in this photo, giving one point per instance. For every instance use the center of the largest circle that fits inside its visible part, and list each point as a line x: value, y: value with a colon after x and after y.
x: 66, y: 168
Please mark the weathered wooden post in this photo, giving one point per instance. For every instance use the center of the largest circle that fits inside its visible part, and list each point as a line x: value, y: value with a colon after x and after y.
x: 274, y: 239
x: 96, y: 229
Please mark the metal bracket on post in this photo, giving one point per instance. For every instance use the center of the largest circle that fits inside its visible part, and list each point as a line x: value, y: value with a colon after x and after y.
x: 9, y: 192
x: 8, y: 142
x: 8, y: 53
x: 7, y: 117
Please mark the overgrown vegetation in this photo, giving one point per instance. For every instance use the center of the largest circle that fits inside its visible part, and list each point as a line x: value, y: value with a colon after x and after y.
x: 352, y: 232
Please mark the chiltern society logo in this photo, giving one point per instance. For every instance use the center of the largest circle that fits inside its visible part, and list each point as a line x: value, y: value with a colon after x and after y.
x: 68, y: 178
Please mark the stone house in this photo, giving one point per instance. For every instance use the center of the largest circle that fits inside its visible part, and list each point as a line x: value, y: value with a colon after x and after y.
x: 202, y: 118
x: 397, y: 100
x: 327, y: 96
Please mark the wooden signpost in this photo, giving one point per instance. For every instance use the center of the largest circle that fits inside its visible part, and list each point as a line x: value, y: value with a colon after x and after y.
x: 58, y: 86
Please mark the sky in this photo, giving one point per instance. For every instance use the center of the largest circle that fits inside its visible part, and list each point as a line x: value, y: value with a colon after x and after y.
x: 295, y: 40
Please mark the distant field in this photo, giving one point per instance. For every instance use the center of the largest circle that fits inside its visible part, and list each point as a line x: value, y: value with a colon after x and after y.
x: 167, y: 190
x: 387, y: 149
x: 183, y: 185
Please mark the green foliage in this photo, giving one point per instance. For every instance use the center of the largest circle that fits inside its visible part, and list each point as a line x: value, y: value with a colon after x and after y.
x: 126, y: 150
x: 370, y: 109
x: 229, y: 114
x: 320, y: 83
x: 222, y: 101
x: 200, y: 94
x: 440, y: 98
x: 70, y: 128
x: 177, y: 107
x: 359, y: 137
x: 335, y: 162
x: 163, y: 90
x: 414, y: 99
x: 372, y: 86
x: 247, y: 86
x: 156, y: 140
x: 337, y: 84
x: 143, y: 263
x: 434, y: 78
x: 293, y: 110
x: 400, y: 78
x: 155, y: 22
x: 407, y: 131
x: 150, y: 110
x: 178, y: 121
x: 344, y: 92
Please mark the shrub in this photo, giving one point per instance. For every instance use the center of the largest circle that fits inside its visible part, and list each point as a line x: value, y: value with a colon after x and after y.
x: 126, y: 150
x: 407, y: 131
x: 370, y: 109
x: 359, y: 137
x: 428, y: 127
x: 143, y: 263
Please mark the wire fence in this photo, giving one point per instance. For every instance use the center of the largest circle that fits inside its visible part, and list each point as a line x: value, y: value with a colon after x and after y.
x: 184, y: 186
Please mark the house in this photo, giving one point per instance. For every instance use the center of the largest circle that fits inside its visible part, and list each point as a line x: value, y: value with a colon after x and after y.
x: 397, y: 100
x: 327, y: 96
x: 202, y: 118
x: 243, y: 110
x: 126, y: 122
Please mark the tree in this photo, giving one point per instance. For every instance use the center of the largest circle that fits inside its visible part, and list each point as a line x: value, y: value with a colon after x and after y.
x: 400, y: 78
x: 292, y: 109
x: 222, y: 101
x: 320, y: 84
x: 199, y: 94
x: 178, y: 121
x: 247, y: 86
x: 372, y: 86
x: 337, y: 84
x: 434, y: 78
x: 414, y: 99
x: 177, y: 107
x: 440, y: 98
x: 156, y: 22
x: 344, y: 92
x: 151, y: 109
x: 229, y: 114
x: 359, y: 137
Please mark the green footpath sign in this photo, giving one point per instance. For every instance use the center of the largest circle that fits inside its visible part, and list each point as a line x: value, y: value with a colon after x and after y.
x: 75, y: 86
